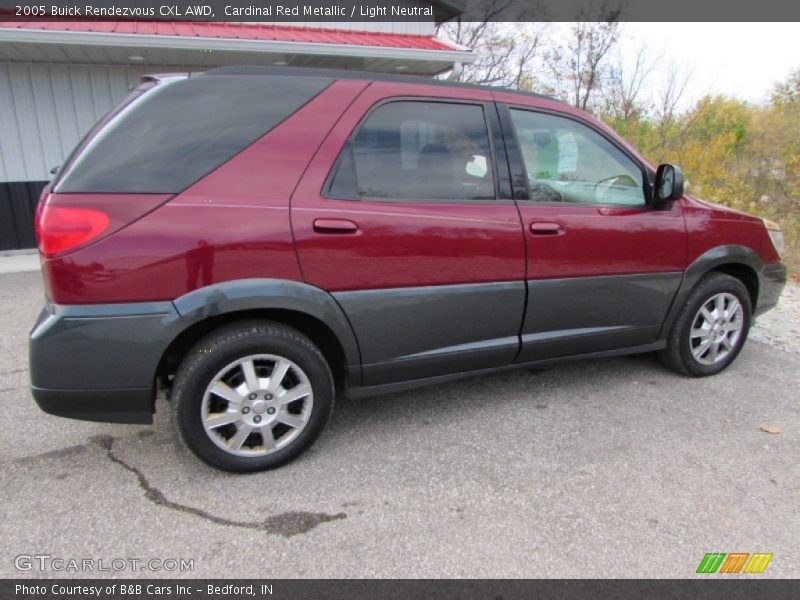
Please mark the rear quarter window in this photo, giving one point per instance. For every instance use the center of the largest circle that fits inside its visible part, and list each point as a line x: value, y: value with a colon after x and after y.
x: 178, y: 132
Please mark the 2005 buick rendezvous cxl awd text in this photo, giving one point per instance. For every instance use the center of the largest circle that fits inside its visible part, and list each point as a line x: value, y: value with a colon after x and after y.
x: 252, y: 242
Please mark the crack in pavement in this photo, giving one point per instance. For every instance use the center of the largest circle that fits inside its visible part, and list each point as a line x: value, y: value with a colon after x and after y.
x: 286, y: 524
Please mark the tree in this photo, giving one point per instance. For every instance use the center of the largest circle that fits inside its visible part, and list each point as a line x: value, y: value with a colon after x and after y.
x: 787, y: 92
x: 580, y: 67
x: 623, y: 100
x: 667, y: 100
x: 506, y: 52
x: 777, y: 143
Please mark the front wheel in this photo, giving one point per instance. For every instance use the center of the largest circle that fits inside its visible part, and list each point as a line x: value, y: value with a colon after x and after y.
x: 252, y: 396
x: 711, y: 327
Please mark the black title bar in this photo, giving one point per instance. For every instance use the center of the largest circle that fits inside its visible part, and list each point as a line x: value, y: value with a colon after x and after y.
x: 283, y: 11
x: 340, y: 589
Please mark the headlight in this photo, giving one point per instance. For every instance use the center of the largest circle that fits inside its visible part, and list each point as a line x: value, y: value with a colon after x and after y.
x: 775, y: 234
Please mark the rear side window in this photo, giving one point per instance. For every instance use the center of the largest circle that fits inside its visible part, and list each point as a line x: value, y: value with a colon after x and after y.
x: 413, y: 150
x: 132, y: 96
x: 176, y: 133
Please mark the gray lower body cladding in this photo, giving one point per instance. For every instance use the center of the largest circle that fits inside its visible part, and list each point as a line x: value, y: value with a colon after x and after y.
x: 424, y: 332
x: 770, y: 285
x: 412, y: 333
x: 594, y: 314
x: 98, y: 362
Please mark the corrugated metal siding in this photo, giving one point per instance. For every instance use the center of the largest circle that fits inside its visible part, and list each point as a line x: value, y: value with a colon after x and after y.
x: 46, y: 109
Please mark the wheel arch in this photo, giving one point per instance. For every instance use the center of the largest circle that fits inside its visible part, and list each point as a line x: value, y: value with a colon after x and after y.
x: 733, y: 259
x: 310, y: 310
x: 744, y: 273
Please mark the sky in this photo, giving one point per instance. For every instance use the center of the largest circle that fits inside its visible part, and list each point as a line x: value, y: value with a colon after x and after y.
x: 743, y: 60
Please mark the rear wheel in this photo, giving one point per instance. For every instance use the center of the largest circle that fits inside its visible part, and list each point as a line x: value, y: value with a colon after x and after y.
x: 252, y: 396
x: 711, y: 327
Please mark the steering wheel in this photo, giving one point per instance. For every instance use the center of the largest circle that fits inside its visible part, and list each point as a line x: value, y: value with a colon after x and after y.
x: 602, y: 187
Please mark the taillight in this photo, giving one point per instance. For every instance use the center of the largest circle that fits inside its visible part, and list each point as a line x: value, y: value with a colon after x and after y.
x: 63, y: 228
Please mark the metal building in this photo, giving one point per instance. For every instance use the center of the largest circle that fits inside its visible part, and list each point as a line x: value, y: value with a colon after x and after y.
x: 58, y: 78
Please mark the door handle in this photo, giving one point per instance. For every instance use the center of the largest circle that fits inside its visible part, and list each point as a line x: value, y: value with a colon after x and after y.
x: 542, y: 228
x: 335, y: 226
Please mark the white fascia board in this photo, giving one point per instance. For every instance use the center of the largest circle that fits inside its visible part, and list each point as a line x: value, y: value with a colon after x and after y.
x: 93, y: 38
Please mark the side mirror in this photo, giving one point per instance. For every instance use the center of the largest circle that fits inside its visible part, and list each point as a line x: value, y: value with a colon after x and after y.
x: 668, y: 185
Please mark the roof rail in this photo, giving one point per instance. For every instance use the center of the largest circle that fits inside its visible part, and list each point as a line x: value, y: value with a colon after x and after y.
x: 366, y: 75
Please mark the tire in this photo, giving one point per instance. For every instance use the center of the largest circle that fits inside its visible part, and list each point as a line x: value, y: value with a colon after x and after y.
x: 226, y: 405
x: 685, y: 352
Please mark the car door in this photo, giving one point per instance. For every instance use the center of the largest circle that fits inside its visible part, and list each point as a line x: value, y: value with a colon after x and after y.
x: 603, y: 265
x: 404, y: 216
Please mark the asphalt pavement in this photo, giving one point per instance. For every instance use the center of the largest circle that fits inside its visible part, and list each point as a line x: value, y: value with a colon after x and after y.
x: 602, y: 468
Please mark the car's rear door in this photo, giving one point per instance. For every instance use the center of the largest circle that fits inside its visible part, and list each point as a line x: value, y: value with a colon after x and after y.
x: 406, y: 218
x: 603, y: 265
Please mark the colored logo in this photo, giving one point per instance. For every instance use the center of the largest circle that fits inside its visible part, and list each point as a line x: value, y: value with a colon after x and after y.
x: 735, y: 562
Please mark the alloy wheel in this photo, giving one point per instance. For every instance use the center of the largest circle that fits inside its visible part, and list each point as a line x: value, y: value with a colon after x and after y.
x: 257, y: 405
x: 716, y: 328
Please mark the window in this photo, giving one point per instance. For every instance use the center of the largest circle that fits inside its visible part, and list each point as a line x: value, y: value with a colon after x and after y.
x: 176, y: 133
x: 412, y: 150
x: 566, y: 161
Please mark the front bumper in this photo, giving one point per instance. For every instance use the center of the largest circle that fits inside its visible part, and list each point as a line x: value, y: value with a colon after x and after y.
x: 770, y: 285
x: 98, y: 362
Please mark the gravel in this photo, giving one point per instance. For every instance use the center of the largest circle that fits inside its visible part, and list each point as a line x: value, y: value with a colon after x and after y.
x: 780, y: 327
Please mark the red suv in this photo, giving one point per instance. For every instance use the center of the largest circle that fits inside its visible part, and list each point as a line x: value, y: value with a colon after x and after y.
x: 251, y: 242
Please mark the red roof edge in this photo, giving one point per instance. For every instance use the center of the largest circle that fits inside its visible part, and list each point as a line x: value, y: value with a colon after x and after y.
x: 241, y: 31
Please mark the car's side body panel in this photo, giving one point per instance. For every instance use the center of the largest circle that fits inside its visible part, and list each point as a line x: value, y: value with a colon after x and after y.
x: 232, y: 224
x: 607, y: 282
x: 591, y: 314
x: 417, y: 292
x: 401, y: 243
x: 277, y: 294
x: 712, y: 226
x: 409, y: 384
x: 430, y: 287
x: 185, y: 247
x: 416, y: 332
x: 405, y: 245
x: 102, y: 349
x: 723, y: 238
x: 602, y: 277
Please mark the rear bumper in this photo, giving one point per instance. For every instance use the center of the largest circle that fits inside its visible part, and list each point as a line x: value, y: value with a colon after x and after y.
x: 98, y: 362
x: 771, y: 284
x: 110, y: 406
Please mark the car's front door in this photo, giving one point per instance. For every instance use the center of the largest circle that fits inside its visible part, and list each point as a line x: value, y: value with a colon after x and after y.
x: 403, y: 217
x: 603, y: 266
